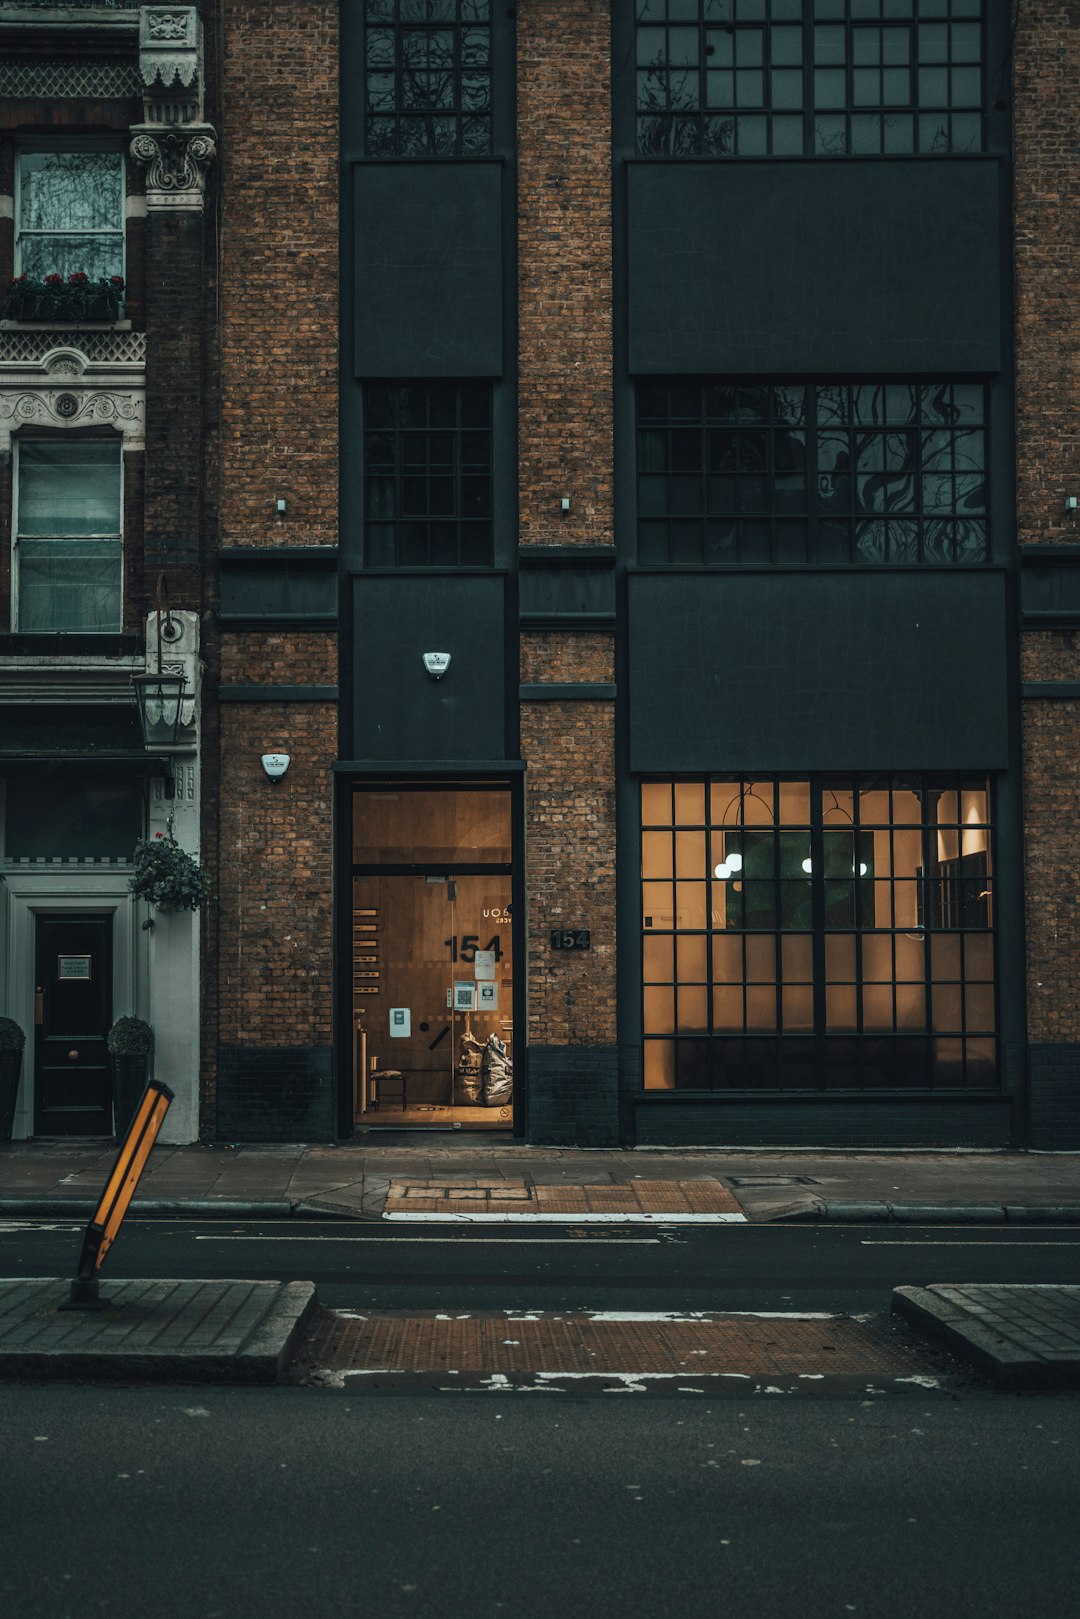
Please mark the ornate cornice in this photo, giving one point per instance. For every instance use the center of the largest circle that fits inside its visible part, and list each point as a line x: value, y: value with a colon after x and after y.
x: 73, y: 407
x: 171, y: 64
x: 176, y: 161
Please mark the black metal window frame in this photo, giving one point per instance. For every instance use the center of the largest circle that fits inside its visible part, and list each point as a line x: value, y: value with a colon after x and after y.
x: 756, y: 473
x: 799, y: 944
x: 428, y: 485
x: 784, y: 78
x: 427, y: 78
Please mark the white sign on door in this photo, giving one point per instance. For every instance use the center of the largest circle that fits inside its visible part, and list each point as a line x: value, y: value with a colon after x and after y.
x: 464, y: 997
x: 485, y: 964
x: 487, y: 997
x: 400, y: 1023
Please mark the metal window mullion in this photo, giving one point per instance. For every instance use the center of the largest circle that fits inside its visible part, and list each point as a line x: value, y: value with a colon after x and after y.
x: 817, y: 932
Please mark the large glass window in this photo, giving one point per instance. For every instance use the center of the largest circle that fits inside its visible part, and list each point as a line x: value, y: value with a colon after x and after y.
x: 70, y: 214
x: 68, y: 546
x: 759, y: 78
x: 790, y: 473
x: 427, y: 474
x: 823, y: 934
x: 427, y: 78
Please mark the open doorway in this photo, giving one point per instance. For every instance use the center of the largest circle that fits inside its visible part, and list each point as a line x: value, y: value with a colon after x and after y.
x: 432, y: 968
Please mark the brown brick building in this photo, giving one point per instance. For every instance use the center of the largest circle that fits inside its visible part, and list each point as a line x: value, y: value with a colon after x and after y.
x: 621, y: 456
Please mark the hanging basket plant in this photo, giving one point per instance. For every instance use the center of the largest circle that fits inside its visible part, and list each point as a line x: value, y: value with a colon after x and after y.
x: 167, y: 876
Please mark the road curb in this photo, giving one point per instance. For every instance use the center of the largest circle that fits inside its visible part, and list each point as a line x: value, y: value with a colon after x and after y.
x: 78, y: 1208
x: 970, y: 1333
x: 936, y: 1213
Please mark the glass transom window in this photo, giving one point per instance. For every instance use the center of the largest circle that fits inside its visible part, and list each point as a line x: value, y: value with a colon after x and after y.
x: 68, y: 546
x: 427, y: 78
x: 70, y: 214
x: 759, y: 78
x: 787, y: 474
x: 822, y: 934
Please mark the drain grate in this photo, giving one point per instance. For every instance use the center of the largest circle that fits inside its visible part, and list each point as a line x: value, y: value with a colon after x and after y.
x: 772, y: 1180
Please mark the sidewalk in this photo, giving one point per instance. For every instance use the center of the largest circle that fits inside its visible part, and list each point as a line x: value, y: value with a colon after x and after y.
x: 472, y: 1180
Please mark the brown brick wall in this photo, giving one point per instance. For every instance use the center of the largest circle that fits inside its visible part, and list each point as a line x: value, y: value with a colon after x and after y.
x: 564, y: 271
x: 279, y: 658
x: 1047, y: 208
x: 1047, y: 211
x: 552, y: 657
x: 279, y: 263
x: 274, y: 895
x: 569, y: 750
x: 565, y: 439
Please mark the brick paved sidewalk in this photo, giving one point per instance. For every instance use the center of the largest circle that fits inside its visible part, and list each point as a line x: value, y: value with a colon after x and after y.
x: 637, y: 1202
x: 1024, y: 1336
x: 694, y: 1352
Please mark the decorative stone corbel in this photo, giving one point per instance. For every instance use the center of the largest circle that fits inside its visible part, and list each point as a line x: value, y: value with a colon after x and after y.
x: 171, y: 64
x: 176, y: 162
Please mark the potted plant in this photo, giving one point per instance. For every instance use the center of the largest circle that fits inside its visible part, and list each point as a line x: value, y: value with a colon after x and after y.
x: 167, y: 876
x: 55, y: 297
x: 12, y: 1041
x: 131, y: 1045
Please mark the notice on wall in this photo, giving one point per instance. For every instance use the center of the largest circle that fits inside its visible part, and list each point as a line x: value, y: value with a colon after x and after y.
x: 400, y: 1023
x: 464, y: 997
x: 73, y: 966
x: 487, y: 996
x: 484, y: 962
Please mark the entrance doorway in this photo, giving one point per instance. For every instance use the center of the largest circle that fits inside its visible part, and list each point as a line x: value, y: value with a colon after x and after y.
x: 432, y: 958
x: 72, y: 1016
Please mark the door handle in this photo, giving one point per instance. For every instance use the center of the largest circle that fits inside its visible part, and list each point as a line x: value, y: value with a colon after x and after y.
x: 73, y: 1056
x: 39, y: 1006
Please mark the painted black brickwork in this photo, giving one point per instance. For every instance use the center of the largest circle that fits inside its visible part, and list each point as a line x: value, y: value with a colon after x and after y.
x: 1055, y: 1097
x: 275, y: 1093
x: 791, y: 1123
x: 573, y: 1096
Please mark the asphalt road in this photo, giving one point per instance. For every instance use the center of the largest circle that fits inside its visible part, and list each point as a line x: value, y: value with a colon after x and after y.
x: 844, y: 1268
x: 225, y: 1504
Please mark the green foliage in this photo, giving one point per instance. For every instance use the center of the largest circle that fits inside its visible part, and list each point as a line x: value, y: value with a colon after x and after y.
x: 11, y: 1036
x: 130, y: 1037
x: 167, y: 875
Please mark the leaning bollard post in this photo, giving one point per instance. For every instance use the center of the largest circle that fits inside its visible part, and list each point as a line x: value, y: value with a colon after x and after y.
x: 124, y: 1177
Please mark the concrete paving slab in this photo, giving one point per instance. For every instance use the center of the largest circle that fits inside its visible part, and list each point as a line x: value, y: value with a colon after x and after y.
x: 1023, y: 1335
x: 153, y: 1331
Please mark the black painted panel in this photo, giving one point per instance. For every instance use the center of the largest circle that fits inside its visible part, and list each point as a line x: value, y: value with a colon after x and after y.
x: 558, y: 586
x: 401, y: 713
x: 879, y: 267
x: 428, y: 295
x: 1050, y: 585
x: 275, y: 1093
x: 829, y: 671
x: 573, y: 1096
x: 260, y: 589
x: 902, y: 1122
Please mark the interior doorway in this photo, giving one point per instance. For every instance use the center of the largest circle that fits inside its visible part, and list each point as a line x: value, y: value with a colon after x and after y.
x: 72, y: 1015
x: 432, y: 958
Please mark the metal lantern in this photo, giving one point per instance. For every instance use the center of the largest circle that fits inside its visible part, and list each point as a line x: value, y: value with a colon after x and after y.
x: 160, y: 698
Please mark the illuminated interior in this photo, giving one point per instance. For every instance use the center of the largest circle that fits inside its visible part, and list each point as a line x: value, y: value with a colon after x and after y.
x: 432, y: 958
x: 824, y: 934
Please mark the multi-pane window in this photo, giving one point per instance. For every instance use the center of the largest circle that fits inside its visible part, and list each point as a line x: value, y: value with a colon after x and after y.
x: 70, y: 214
x: 427, y: 474
x: 68, y: 548
x: 774, y: 473
x: 823, y: 934
x: 427, y: 78
x: 757, y: 78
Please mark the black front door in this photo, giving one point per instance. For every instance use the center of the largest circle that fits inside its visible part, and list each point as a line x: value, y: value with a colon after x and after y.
x: 72, y: 1080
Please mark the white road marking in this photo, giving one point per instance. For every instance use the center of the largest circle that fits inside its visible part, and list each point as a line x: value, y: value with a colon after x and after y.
x: 547, y: 1242
x: 575, y: 1219
x: 958, y: 1242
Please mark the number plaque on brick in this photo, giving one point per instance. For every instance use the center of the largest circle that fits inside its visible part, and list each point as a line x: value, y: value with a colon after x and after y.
x: 570, y: 939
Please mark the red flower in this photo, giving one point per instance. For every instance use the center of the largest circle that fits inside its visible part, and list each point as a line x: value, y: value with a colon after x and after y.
x: 54, y: 280
x: 78, y: 279
x: 159, y: 834
x: 117, y: 281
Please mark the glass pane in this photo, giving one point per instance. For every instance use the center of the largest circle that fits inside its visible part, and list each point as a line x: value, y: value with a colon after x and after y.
x: 656, y: 803
x: 659, y: 1065
x: 99, y: 256
x: 398, y: 825
x: 71, y: 191
x: 658, y: 958
x: 69, y: 585
x: 89, y: 818
x: 69, y: 487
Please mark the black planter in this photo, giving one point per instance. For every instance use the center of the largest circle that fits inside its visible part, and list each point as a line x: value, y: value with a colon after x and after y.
x: 64, y: 305
x: 129, y: 1081
x: 10, y: 1064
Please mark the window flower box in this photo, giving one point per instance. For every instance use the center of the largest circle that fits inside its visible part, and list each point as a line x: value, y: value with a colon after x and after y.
x: 75, y: 299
